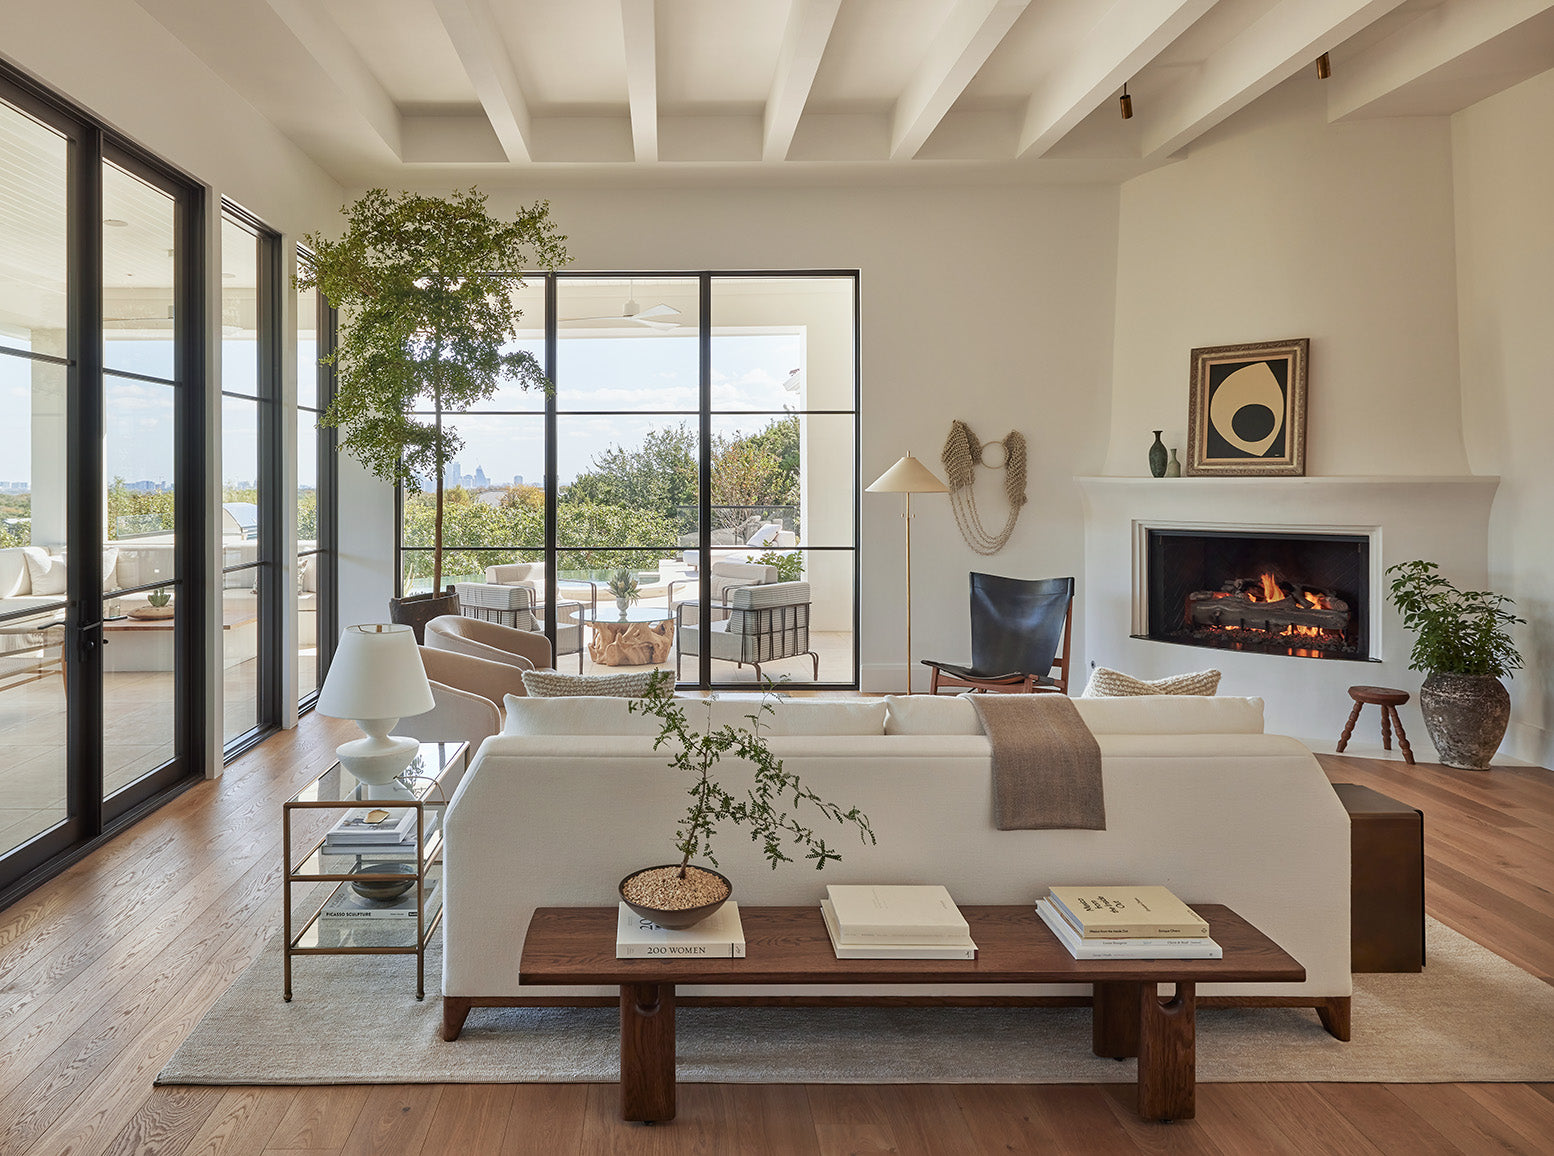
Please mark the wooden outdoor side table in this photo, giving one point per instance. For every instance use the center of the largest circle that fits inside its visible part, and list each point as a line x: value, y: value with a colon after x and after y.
x: 789, y: 945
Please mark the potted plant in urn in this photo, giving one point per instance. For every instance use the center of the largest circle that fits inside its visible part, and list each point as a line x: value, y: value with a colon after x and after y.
x: 680, y: 895
x: 425, y: 287
x: 623, y: 584
x: 1462, y: 643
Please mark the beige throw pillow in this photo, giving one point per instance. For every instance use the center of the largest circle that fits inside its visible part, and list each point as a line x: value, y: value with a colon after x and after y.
x: 554, y: 684
x: 46, y: 573
x: 1106, y: 683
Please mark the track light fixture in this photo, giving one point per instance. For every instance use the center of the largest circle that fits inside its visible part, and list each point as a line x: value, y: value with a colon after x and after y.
x: 1324, y: 67
x: 1125, y: 102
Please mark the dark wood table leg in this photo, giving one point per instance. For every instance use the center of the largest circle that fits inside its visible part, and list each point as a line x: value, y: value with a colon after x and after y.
x: 1354, y: 716
x: 647, y: 1051
x: 1114, y: 1022
x: 1168, y: 1054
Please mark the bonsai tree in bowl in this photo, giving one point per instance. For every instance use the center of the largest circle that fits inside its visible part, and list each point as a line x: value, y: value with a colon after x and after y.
x: 425, y: 287
x: 1463, y: 644
x: 679, y: 895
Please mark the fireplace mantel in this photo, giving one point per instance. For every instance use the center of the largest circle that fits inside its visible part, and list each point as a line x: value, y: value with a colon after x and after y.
x: 1443, y: 518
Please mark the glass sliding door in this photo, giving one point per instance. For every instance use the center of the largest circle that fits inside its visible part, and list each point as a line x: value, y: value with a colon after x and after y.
x: 101, y: 376
x: 34, y: 377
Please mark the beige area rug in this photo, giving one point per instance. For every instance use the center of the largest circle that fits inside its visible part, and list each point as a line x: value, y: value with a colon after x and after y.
x: 1470, y: 1016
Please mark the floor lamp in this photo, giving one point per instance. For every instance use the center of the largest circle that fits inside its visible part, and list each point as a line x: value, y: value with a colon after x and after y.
x: 908, y: 476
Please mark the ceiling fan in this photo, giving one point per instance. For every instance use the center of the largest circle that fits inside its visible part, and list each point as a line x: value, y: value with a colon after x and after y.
x: 650, y: 318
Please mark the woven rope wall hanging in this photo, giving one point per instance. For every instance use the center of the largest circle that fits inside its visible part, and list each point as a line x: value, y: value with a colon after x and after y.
x: 963, y: 453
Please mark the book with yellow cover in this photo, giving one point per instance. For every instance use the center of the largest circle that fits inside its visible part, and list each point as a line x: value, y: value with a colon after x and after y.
x: 1128, y: 911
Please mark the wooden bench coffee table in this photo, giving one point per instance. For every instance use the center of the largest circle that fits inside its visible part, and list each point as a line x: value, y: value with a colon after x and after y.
x: 788, y: 945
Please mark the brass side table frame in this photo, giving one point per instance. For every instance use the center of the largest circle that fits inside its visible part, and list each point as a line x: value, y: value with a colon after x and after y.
x: 430, y: 779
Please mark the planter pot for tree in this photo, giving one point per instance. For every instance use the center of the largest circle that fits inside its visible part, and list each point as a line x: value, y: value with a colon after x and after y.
x: 656, y: 894
x: 419, y: 609
x: 1466, y: 715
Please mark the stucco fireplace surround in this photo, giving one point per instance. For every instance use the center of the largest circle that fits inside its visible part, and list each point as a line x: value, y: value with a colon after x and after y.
x: 1396, y: 518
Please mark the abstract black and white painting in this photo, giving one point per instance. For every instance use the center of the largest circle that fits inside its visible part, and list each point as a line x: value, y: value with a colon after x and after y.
x: 1246, y: 412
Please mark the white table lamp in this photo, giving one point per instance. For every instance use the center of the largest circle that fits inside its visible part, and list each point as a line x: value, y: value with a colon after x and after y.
x: 908, y: 476
x: 376, y: 678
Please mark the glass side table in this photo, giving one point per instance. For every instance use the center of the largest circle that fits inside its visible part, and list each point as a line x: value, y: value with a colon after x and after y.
x: 322, y: 913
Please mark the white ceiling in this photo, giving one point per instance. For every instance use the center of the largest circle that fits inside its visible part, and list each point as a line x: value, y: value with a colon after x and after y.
x: 377, y: 90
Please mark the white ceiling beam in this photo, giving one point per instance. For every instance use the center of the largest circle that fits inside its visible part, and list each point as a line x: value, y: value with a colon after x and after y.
x: 639, y: 25
x: 1436, y: 40
x: 973, y: 29
x: 803, y: 44
x: 478, y: 42
x: 322, y: 39
x: 1128, y: 36
x: 1288, y: 38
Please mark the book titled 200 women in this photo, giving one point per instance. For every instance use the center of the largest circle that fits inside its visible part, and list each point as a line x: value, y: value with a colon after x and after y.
x: 719, y: 936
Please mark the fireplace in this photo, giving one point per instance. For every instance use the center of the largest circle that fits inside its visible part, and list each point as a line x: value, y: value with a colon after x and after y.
x: 1306, y: 595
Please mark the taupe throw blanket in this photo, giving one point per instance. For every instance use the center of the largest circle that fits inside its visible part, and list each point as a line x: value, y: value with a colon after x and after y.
x: 1046, y: 763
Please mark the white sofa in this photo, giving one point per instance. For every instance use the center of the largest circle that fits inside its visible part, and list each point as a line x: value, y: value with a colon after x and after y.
x: 1197, y: 798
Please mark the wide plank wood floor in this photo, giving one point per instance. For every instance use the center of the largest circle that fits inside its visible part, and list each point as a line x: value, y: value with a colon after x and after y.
x: 104, y: 970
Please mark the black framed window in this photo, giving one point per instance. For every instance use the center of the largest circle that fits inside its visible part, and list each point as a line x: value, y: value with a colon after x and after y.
x: 702, y: 436
x: 250, y: 523
x: 314, y: 488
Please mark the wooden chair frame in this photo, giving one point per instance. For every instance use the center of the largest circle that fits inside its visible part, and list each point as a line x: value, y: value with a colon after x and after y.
x: 1017, y: 684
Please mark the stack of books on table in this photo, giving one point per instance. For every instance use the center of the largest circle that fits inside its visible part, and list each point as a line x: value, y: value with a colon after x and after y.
x: 719, y: 936
x: 374, y: 831
x: 895, y: 922
x: 1126, y: 922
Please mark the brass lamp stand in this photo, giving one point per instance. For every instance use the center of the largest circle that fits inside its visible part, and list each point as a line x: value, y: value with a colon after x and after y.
x: 908, y: 476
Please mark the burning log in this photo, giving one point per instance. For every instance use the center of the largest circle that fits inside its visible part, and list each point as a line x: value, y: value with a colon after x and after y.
x: 1268, y: 604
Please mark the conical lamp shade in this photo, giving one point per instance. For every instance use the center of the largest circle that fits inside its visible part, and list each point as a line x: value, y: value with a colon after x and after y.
x: 908, y: 476
x: 376, y: 673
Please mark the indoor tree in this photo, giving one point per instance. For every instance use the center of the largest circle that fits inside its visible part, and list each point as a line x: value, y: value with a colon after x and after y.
x: 425, y: 287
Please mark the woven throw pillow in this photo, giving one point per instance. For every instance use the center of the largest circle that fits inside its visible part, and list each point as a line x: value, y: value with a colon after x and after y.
x: 1106, y: 683
x: 554, y: 684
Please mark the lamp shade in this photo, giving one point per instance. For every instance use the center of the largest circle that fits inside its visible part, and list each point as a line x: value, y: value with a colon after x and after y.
x: 908, y: 476
x: 376, y: 673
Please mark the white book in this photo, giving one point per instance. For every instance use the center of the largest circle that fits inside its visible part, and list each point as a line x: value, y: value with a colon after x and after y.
x: 346, y: 904
x: 363, y: 825
x: 897, y: 914
x: 1200, y: 948
x: 719, y: 936
x: 964, y: 950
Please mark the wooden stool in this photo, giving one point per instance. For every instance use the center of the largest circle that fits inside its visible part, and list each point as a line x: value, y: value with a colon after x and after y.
x: 1388, y: 700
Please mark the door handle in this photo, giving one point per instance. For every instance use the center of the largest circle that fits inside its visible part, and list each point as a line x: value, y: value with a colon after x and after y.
x: 89, y: 639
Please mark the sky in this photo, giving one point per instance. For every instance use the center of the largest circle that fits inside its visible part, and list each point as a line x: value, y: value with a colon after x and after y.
x: 652, y: 371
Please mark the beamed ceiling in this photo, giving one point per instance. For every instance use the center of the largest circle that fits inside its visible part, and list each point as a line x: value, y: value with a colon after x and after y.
x: 1020, y: 89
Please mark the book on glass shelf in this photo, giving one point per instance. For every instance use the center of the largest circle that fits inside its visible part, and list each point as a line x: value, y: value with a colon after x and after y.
x: 1117, y: 948
x: 346, y: 904
x: 965, y: 949
x: 373, y: 825
x: 719, y: 936
x: 896, y: 914
x: 1127, y: 911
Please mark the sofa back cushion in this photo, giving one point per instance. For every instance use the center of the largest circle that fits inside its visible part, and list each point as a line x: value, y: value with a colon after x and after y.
x: 575, y: 715
x: 926, y: 714
x: 13, y: 572
x: 796, y: 716
x: 45, y: 573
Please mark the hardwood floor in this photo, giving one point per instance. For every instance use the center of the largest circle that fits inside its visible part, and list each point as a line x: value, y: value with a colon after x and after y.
x: 104, y: 970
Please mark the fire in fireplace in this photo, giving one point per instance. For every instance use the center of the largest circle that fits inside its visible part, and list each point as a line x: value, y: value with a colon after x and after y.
x: 1302, y: 595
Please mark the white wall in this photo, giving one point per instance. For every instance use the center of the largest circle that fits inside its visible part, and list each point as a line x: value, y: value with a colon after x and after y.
x: 993, y: 305
x: 1280, y: 225
x: 1503, y: 151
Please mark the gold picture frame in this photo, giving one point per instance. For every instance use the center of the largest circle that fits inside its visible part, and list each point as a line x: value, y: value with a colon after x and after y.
x: 1246, y: 410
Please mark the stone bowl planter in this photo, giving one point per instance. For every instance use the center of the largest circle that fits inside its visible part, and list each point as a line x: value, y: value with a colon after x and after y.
x: 417, y: 610
x: 678, y: 918
x: 1466, y: 715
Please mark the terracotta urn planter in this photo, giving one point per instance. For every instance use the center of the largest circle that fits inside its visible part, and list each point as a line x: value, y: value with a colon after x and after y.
x: 1466, y: 715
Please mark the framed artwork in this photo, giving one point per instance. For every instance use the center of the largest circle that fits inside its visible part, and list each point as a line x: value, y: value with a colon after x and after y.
x: 1246, y: 412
